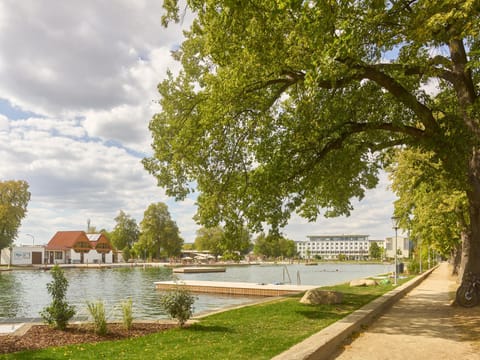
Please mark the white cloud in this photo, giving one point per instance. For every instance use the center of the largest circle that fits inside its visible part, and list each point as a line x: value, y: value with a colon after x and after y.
x: 371, y: 216
x: 79, y: 55
x: 4, y: 126
x: 125, y: 124
x: 80, y: 83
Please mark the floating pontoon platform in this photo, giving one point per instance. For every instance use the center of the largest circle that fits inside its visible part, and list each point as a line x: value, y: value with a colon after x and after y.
x: 199, y: 269
x: 235, y: 288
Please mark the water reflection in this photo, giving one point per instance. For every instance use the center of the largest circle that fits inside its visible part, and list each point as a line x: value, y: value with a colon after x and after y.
x: 112, y: 286
x: 9, y: 287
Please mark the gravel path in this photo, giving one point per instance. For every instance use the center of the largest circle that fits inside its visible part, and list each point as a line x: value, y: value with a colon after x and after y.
x: 423, y: 325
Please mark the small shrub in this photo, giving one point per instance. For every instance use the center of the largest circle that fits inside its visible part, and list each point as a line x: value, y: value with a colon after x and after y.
x: 59, y: 312
x: 178, y: 304
x: 127, y: 314
x: 97, y: 311
x: 413, y: 267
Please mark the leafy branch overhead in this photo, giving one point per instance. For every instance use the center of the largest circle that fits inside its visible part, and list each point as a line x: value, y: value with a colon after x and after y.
x: 284, y: 106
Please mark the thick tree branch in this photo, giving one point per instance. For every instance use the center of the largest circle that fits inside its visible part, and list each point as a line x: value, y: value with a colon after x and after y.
x: 376, y: 73
x: 407, y: 130
x: 402, y: 94
x: 356, y: 128
x: 463, y: 83
x: 351, y: 129
x: 439, y: 66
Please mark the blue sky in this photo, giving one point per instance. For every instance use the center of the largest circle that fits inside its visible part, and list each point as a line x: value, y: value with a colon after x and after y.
x: 77, y: 91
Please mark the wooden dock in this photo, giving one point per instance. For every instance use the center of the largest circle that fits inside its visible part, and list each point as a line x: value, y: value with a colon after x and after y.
x: 235, y: 288
x: 199, y: 269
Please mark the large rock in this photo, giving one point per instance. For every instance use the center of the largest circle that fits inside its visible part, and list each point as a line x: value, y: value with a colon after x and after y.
x: 317, y: 296
x: 363, y: 282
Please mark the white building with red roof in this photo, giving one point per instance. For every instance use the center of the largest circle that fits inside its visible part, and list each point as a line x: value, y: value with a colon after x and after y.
x: 78, y: 247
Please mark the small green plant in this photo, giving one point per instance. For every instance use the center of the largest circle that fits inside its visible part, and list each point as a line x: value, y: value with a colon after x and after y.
x: 97, y: 311
x: 59, y: 312
x: 178, y: 304
x: 127, y: 314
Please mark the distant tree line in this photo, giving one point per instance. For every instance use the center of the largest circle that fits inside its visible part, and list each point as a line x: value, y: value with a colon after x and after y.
x: 157, y: 236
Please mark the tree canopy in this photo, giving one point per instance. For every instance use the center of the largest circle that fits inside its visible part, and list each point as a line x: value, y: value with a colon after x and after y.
x: 274, y: 246
x: 126, y: 231
x: 220, y: 241
x: 375, y: 252
x: 14, y: 198
x: 159, y: 233
x: 210, y: 239
x: 426, y: 194
x: 291, y: 106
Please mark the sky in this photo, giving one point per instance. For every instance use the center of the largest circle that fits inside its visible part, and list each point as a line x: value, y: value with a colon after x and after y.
x: 77, y: 91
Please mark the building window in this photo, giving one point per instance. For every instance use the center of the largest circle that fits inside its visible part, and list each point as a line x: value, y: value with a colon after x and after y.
x: 58, y: 255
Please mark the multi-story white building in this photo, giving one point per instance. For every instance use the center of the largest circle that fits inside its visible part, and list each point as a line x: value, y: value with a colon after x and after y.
x: 330, y: 247
x: 403, y: 247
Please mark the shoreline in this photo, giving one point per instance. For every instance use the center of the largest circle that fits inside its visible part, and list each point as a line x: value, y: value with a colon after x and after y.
x: 4, y: 267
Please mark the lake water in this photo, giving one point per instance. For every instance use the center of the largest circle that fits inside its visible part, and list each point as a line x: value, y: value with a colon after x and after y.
x: 23, y: 293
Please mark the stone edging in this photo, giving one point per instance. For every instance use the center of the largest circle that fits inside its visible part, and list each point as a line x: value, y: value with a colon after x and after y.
x: 321, y: 345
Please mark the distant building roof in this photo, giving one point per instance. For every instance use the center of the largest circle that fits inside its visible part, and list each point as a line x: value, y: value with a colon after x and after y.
x: 79, y: 241
x: 64, y: 240
x: 93, y: 237
x: 100, y: 242
x: 337, y: 236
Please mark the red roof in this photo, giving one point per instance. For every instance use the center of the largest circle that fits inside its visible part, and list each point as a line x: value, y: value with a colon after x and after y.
x: 96, y: 239
x: 64, y: 240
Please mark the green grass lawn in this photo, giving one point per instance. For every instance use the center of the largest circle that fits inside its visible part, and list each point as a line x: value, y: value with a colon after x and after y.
x: 253, y: 332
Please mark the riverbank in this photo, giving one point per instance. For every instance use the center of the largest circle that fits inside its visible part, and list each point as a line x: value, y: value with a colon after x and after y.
x: 140, y: 264
x: 24, y: 293
x: 248, y: 332
x: 120, y: 265
x: 423, y: 324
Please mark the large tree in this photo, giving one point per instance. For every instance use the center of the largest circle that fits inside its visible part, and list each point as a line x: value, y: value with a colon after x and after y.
x: 274, y: 246
x: 14, y: 198
x: 375, y: 252
x: 159, y: 233
x: 289, y: 106
x: 126, y: 231
x: 220, y: 241
x: 210, y: 239
x: 237, y: 240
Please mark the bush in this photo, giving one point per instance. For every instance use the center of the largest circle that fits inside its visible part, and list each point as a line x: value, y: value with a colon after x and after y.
x: 127, y: 314
x: 413, y: 267
x: 59, y: 312
x: 97, y: 311
x: 178, y: 304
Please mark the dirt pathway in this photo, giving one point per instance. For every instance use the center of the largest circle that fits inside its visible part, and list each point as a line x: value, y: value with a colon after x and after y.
x: 422, y: 325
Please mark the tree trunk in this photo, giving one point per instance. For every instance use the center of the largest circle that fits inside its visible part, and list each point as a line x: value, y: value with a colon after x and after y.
x: 464, y: 251
x: 471, y: 247
x: 456, y: 259
x: 467, y: 96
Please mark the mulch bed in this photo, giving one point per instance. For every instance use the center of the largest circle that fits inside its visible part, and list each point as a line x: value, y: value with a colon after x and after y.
x: 42, y: 336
